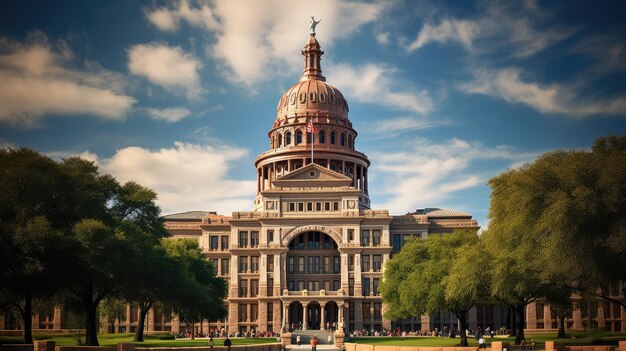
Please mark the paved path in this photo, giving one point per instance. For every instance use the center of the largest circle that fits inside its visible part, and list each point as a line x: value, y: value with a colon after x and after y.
x: 308, y: 347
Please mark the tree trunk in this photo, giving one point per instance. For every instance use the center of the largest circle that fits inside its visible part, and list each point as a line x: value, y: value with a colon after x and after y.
x: 462, y: 327
x: 143, y: 312
x: 91, y: 331
x: 561, y: 333
x: 513, y: 321
x: 520, y: 309
x: 28, y: 319
x: 509, y: 324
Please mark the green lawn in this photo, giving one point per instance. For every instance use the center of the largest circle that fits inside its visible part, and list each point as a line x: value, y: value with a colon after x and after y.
x: 150, y: 340
x: 573, y: 338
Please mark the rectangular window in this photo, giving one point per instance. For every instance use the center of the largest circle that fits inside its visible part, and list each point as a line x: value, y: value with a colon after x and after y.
x: 270, y: 236
x: 292, y: 206
x: 291, y: 266
x: 254, y: 264
x: 326, y: 206
x: 214, y: 242
x: 301, y: 264
x: 270, y: 286
x: 351, y: 263
x: 215, y: 264
x: 365, y: 263
x: 309, y: 206
x: 318, y: 206
x: 300, y: 285
x: 376, y: 282
x: 243, y: 288
x: 327, y: 285
x: 326, y: 264
x: 270, y: 263
x: 336, y: 285
x: 335, y: 206
x: 254, y: 239
x: 365, y: 284
x: 617, y: 310
x: 254, y: 312
x: 300, y: 206
x: 365, y: 238
x: 375, y: 237
x: 405, y: 237
x: 376, y: 263
x: 225, y: 266
x: 351, y: 286
x: 254, y: 287
x: 243, y: 239
x: 539, y: 311
x: 396, y: 242
x: 270, y: 312
x: 377, y: 311
x: 243, y: 312
x: 317, y: 265
x: 224, y: 243
x: 336, y: 264
x: 350, y: 234
x: 243, y: 264
x: 367, y: 311
x: 290, y: 285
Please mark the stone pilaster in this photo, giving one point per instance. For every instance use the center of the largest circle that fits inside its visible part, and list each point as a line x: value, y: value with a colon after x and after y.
x: 601, y: 319
x: 175, y: 324
x: 58, y: 318
x: 150, y: 320
x: 547, y: 317
x: 278, y: 269
x: 578, y: 321
x: 277, y: 316
x: 233, y: 316
x: 357, y: 276
x: 262, y: 321
x: 344, y: 272
x: 531, y: 315
x: 386, y: 322
x: 322, y: 318
x: 305, y: 315
x: 425, y: 320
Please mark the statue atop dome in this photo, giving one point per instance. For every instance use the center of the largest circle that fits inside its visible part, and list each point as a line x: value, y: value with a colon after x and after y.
x: 313, y: 25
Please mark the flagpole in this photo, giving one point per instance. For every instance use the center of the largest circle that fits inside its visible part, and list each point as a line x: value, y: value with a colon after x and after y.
x: 312, y: 138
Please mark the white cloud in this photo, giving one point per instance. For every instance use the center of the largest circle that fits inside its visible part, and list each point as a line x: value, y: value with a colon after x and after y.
x: 169, y: 67
x: 172, y: 114
x: 259, y: 39
x: 36, y: 81
x: 513, y: 27
x: 185, y: 176
x: 375, y: 83
x: 382, y: 37
x: 428, y: 173
x: 169, y: 19
x: 507, y: 84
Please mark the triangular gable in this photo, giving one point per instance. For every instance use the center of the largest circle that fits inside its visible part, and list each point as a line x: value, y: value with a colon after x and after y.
x: 312, y: 173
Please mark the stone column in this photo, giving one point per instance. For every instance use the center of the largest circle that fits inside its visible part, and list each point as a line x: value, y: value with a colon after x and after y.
x: 577, y: 316
x: 357, y: 275
x: 601, y: 319
x: 286, y: 315
x: 277, y: 317
x: 233, y: 317
x: 283, y: 270
x: 58, y: 318
x: 127, y: 318
x: 263, y: 275
x: 531, y: 315
x: 322, y: 319
x: 278, y: 269
x: 547, y: 317
x: 262, y: 317
x: 305, y: 316
x: 341, y: 322
x: 425, y: 320
x: 344, y: 272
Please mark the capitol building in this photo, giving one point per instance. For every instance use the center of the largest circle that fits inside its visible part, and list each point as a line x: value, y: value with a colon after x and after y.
x: 313, y: 251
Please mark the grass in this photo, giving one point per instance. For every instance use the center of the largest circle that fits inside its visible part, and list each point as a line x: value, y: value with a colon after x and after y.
x: 150, y: 340
x: 573, y: 338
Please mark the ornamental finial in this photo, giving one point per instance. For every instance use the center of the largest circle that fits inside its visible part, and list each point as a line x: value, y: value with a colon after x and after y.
x: 313, y: 25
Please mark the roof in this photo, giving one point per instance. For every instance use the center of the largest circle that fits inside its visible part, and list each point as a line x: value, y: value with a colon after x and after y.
x: 189, y: 215
x: 441, y: 213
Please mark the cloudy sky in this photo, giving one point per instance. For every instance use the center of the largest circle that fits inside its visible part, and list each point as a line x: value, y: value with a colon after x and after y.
x: 179, y: 95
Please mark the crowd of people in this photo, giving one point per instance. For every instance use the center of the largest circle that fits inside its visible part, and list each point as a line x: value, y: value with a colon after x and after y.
x: 221, y: 333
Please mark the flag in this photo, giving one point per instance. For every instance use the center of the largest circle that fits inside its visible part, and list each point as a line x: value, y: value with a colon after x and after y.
x: 310, y: 128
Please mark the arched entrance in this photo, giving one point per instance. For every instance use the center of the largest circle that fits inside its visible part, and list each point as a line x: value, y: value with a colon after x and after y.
x: 295, y: 315
x: 313, y: 263
x: 331, y: 315
x: 314, y: 316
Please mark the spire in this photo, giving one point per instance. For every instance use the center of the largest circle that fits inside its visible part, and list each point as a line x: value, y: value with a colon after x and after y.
x: 312, y: 58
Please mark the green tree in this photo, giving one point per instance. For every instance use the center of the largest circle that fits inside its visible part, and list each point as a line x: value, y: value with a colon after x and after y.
x: 423, y: 278
x: 201, y: 293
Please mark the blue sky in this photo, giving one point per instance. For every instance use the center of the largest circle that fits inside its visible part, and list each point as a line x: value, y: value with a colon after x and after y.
x: 179, y: 95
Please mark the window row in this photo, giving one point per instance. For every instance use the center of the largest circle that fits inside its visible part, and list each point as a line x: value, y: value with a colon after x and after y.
x: 313, y: 265
x: 216, y: 240
x: 369, y: 310
x: 313, y: 285
x: 312, y: 241
x: 253, y: 284
x: 248, y: 312
x: 253, y: 266
x: 297, y: 138
x: 370, y: 237
x: 248, y: 238
x: 369, y: 263
x: 313, y: 206
x: 221, y: 265
x: 399, y: 240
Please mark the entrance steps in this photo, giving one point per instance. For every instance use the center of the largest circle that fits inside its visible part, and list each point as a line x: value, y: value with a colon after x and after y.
x: 307, y: 335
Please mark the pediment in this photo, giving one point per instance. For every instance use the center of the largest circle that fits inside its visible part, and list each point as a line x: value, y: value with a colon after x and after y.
x: 314, y: 174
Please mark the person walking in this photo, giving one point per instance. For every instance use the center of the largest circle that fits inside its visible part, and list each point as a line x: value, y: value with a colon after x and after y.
x: 314, y: 344
x: 330, y: 338
x: 481, y: 343
x: 211, y: 342
x: 228, y: 343
x: 298, y: 340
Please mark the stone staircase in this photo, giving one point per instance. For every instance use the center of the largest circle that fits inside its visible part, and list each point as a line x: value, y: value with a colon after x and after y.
x: 307, y: 335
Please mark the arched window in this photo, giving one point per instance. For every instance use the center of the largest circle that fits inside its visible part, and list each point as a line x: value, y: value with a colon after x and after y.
x: 322, y: 137
x: 342, y: 139
x: 288, y: 138
x: 280, y: 140
x: 350, y: 141
x: 298, y: 137
x: 332, y: 138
